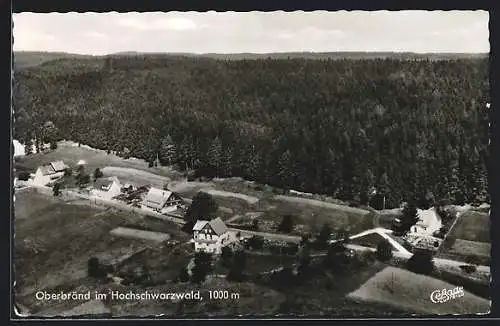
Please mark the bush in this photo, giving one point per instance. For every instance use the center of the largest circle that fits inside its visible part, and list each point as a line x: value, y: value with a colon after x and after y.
x: 98, y: 174
x: 95, y: 269
x: 421, y: 262
x: 444, y: 202
x: 468, y: 268
x: 473, y: 260
x: 23, y: 176
x: 256, y: 242
x: 368, y: 257
x: 384, y: 250
x: 226, y: 256
x: 56, y: 190
x: 183, y: 275
x: 286, y: 224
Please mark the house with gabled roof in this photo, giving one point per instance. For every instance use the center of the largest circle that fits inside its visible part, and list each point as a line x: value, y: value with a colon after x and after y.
x: 106, y: 188
x: 48, y: 173
x: 212, y: 236
x: 161, y: 201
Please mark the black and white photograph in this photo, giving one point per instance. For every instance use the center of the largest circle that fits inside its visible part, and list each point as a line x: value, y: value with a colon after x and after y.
x: 194, y: 165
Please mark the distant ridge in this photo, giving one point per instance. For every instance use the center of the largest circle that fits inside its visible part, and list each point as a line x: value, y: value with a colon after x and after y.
x: 25, y: 59
x: 318, y: 55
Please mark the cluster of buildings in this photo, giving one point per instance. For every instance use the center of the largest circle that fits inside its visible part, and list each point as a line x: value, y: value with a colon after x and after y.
x: 208, y: 235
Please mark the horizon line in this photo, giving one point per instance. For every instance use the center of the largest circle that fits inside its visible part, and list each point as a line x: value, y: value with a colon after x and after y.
x: 258, y: 53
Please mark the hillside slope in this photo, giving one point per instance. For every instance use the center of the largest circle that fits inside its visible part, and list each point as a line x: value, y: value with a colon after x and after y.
x: 322, y: 126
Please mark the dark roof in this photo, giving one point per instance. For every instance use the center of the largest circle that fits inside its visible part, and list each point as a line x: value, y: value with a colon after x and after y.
x: 103, y: 183
x: 58, y: 166
x: 216, y: 224
x: 47, y: 169
x: 157, y: 198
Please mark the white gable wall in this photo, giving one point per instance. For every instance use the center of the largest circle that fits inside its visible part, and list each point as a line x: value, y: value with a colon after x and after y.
x: 112, y: 192
x: 211, y: 242
x: 42, y: 180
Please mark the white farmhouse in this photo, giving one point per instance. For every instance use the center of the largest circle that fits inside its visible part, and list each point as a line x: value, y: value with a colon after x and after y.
x: 161, y: 201
x: 48, y: 173
x: 106, y: 188
x: 212, y: 236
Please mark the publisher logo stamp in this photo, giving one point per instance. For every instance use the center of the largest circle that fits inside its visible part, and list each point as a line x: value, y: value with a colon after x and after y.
x: 445, y: 295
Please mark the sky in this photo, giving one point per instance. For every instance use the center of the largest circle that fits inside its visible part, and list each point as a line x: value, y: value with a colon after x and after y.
x: 256, y: 32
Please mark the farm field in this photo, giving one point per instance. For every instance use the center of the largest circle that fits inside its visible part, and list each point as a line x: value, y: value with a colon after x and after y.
x: 310, y: 218
x: 135, y: 176
x: 472, y: 226
x: 54, y: 241
x: 462, y: 250
x: 410, y: 291
x: 469, y: 239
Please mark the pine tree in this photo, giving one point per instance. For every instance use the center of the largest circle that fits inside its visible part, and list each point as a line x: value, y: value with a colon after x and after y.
x: 215, y: 156
x: 28, y: 147
x: 202, y: 267
x: 285, y: 173
x: 168, y: 151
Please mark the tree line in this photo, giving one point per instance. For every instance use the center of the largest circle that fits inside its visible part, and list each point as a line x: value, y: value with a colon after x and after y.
x: 411, y: 129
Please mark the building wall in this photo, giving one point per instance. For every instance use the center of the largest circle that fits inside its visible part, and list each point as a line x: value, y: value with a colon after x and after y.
x: 215, y: 247
x: 42, y: 180
x: 112, y: 192
x: 169, y: 209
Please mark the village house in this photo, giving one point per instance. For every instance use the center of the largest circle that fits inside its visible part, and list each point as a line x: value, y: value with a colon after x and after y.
x: 48, y: 173
x: 212, y: 236
x: 106, y: 188
x: 161, y: 201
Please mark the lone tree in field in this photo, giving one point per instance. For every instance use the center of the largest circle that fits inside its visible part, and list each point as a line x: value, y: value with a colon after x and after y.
x: 384, y: 250
x: 410, y: 216
x: 82, y: 177
x: 202, y: 267
x: 286, y: 224
x: 238, y: 266
x: 98, y: 174
x: 56, y: 190
x: 203, y: 207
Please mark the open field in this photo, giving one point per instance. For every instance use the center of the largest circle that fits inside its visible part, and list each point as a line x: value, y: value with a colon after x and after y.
x: 407, y: 290
x: 54, y: 242
x: 463, y: 249
x: 310, y: 218
x: 135, y: 177
x: 321, y: 204
x: 325, y: 294
x: 249, y: 199
x: 71, y: 154
x: 472, y: 226
x: 139, y: 234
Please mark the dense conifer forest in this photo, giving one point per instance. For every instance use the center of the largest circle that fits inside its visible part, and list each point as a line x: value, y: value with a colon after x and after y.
x: 409, y: 128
